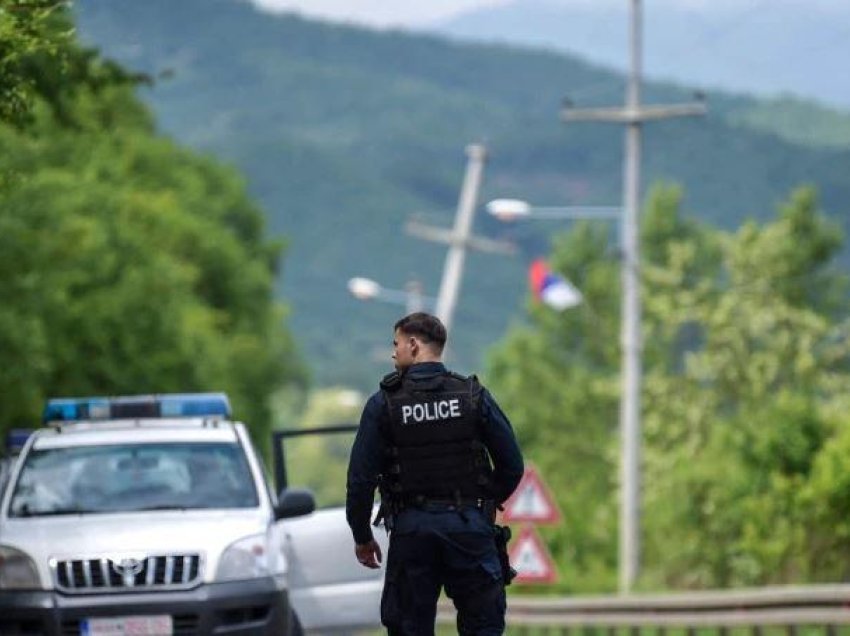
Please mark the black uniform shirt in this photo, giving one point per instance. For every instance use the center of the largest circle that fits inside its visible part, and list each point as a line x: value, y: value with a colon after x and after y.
x: 367, y: 454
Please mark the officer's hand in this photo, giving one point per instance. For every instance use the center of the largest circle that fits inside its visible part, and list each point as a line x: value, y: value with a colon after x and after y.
x: 369, y: 554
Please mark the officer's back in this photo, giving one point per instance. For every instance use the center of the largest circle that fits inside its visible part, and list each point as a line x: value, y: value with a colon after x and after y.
x: 445, y: 456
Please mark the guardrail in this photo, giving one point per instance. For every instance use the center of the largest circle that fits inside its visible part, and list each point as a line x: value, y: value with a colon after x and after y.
x: 820, y: 606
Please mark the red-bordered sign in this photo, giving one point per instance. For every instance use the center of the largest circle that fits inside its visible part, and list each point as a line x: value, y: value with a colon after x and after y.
x: 531, y: 559
x: 531, y: 501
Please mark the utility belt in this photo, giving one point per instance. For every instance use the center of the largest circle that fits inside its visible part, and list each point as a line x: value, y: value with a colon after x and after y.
x: 388, y: 510
x: 446, y: 503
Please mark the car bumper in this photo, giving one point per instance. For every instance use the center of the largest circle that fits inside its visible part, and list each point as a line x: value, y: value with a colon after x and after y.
x: 254, y: 607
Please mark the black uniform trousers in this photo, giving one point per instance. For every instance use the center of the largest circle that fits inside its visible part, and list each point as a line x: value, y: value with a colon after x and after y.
x: 436, y: 547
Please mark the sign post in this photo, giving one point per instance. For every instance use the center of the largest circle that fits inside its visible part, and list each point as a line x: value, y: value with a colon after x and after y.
x: 531, y: 504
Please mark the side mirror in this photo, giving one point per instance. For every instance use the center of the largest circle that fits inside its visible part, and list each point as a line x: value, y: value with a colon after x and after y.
x: 294, y: 502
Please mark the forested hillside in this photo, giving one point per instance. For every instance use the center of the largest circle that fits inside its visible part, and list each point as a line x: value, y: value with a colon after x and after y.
x: 343, y: 133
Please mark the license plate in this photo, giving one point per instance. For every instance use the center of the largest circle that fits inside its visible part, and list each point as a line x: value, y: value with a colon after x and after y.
x: 127, y: 626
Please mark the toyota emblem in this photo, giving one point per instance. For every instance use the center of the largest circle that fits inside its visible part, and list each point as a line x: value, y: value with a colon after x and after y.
x: 127, y: 569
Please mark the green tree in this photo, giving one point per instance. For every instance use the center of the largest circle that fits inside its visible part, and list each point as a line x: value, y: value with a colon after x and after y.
x: 40, y: 60
x: 27, y: 31
x: 745, y: 361
x: 736, y: 432
x: 128, y: 264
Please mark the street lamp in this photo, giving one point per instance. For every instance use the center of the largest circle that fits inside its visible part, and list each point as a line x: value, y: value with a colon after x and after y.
x: 513, y: 209
x: 510, y: 210
x: 517, y: 209
x: 411, y: 297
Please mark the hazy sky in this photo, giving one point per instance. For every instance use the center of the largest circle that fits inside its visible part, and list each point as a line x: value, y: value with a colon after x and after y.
x: 413, y: 14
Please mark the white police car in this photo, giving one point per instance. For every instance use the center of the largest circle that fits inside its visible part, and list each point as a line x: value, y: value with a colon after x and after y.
x: 153, y: 515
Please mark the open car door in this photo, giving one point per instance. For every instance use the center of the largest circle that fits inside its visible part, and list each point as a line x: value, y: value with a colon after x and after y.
x: 329, y: 590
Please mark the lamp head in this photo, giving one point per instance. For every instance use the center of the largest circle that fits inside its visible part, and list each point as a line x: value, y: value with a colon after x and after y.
x: 363, y: 288
x: 508, y: 209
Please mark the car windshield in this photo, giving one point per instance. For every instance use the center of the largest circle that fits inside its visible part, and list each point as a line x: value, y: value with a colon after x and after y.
x: 101, y: 479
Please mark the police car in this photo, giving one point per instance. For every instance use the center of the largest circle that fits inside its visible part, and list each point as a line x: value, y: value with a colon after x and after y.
x: 153, y: 515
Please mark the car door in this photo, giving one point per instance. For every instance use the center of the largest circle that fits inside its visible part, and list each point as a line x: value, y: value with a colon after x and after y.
x: 329, y: 589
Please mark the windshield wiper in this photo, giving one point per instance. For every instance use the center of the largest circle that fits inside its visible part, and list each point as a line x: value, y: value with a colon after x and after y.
x: 158, y: 507
x: 26, y: 512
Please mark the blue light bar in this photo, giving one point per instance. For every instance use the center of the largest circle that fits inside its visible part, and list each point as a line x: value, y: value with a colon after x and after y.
x: 71, y: 409
x: 194, y: 405
x: 137, y: 407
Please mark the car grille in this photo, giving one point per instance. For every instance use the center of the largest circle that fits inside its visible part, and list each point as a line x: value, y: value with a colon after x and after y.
x: 121, y: 574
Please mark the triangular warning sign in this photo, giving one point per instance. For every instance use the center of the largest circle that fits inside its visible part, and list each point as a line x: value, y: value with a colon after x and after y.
x: 531, y: 501
x: 531, y: 559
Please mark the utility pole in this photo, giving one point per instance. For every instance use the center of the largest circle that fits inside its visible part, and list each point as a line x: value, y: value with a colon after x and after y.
x: 460, y: 238
x: 633, y: 115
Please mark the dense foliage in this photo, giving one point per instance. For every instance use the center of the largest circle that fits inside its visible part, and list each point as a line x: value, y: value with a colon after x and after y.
x: 25, y: 36
x: 745, y: 427
x: 127, y: 264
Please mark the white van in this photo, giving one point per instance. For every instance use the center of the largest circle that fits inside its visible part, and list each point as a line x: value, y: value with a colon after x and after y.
x: 153, y: 515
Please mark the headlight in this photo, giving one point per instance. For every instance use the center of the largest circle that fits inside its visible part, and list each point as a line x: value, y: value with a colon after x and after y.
x: 247, y: 558
x: 17, y: 570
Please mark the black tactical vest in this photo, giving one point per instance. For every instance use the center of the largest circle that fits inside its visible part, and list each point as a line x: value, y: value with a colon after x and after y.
x: 435, y: 450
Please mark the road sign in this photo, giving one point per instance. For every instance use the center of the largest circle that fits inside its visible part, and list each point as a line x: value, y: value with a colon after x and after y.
x: 531, y: 559
x: 531, y: 501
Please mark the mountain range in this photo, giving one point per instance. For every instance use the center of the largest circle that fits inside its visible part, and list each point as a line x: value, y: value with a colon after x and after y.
x: 343, y: 133
x: 769, y: 47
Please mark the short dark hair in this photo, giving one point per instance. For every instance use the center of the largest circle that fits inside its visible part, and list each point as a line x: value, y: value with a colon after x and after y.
x: 425, y: 326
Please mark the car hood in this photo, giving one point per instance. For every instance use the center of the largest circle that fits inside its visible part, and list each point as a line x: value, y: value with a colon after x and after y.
x: 136, y: 534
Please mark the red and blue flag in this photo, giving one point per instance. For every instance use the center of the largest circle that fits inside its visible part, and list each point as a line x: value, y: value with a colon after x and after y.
x: 551, y: 288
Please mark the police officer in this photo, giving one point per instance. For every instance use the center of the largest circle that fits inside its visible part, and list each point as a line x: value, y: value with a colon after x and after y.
x: 444, y: 456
